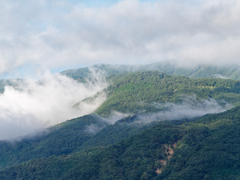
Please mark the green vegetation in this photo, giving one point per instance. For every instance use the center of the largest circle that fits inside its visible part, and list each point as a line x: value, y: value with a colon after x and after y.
x: 128, y: 159
x: 68, y: 137
x: 210, y: 150
x: 64, y: 138
x: 207, y: 147
x: 134, y: 92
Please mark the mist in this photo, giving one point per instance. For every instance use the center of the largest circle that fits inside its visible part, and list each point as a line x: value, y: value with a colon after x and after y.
x: 105, y: 121
x: 33, y: 105
x: 114, y: 117
x: 189, y: 108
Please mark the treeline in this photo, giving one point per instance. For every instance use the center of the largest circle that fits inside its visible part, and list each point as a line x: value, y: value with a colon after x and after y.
x: 169, y: 67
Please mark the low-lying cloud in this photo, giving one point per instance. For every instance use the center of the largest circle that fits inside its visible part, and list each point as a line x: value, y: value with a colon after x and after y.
x: 190, y: 107
x: 114, y: 117
x: 36, y: 104
x: 104, y: 121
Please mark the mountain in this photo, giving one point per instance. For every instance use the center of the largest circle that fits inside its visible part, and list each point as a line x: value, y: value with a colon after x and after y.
x: 175, y: 127
x: 139, y: 91
x: 169, y: 67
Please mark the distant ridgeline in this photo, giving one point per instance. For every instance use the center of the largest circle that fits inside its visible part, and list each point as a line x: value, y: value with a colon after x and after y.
x: 8, y: 82
x: 139, y: 146
x: 168, y: 67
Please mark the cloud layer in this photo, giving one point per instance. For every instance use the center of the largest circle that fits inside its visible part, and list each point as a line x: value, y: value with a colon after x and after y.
x: 34, y: 105
x: 190, y: 107
x: 54, y: 34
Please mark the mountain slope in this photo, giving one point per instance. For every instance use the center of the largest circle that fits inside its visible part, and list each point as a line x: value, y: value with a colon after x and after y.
x: 64, y: 138
x: 207, y: 148
x: 136, y: 92
x: 210, y: 150
x: 71, y: 136
x: 124, y: 160
x: 139, y: 146
x: 128, y: 93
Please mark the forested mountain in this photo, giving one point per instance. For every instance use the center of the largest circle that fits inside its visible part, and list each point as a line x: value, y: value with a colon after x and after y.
x: 207, y: 148
x: 169, y: 67
x: 163, y: 136
x: 134, y: 92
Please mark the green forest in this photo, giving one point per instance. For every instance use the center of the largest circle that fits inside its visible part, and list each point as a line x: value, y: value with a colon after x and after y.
x: 137, y: 147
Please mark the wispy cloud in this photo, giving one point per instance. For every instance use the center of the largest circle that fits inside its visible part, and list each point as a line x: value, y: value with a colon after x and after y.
x: 190, y: 107
x: 104, y: 121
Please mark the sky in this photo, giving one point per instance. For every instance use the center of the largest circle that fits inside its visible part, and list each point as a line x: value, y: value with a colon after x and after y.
x: 55, y: 35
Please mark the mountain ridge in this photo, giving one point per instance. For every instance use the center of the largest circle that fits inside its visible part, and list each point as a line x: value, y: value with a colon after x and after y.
x: 169, y: 67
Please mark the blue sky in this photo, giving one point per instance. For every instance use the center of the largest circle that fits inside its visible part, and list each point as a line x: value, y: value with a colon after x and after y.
x: 41, y: 36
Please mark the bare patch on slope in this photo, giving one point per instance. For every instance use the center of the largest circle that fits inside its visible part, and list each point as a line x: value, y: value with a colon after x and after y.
x: 169, y: 151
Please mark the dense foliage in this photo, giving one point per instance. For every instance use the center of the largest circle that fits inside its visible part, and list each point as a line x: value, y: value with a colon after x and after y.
x: 135, y: 148
x: 74, y: 135
x: 207, y: 148
x: 64, y: 138
x: 210, y: 150
x: 128, y: 159
x: 134, y: 92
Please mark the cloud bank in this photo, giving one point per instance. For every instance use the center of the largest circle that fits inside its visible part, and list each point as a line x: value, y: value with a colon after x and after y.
x: 54, y: 34
x: 189, y: 108
x: 34, y: 105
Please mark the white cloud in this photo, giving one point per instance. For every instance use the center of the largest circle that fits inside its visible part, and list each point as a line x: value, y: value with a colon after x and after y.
x: 190, y: 107
x: 34, y: 105
x: 55, y: 33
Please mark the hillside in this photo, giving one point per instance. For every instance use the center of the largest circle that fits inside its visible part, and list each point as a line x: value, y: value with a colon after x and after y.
x: 71, y: 136
x: 137, y: 92
x: 64, y: 138
x: 162, y: 137
x: 207, y: 148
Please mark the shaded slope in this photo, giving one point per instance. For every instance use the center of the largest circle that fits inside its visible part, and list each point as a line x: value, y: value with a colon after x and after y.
x: 210, y: 150
x: 64, y: 138
x: 122, y: 129
x: 207, y: 148
x: 128, y: 159
x: 74, y: 135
